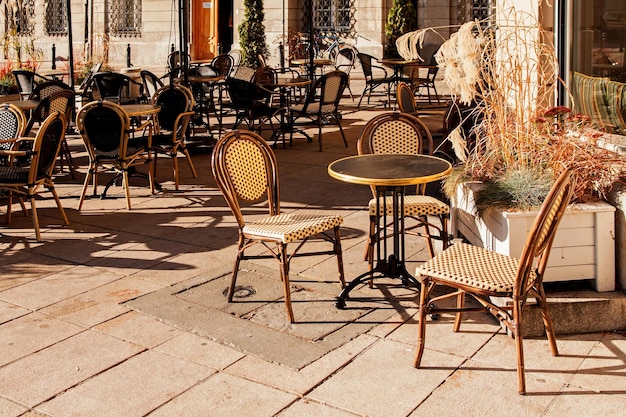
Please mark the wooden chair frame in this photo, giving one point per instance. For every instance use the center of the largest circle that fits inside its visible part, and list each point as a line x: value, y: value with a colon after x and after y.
x: 41, y: 166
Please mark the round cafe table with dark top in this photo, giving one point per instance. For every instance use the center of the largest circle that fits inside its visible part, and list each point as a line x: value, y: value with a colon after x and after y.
x: 390, y: 174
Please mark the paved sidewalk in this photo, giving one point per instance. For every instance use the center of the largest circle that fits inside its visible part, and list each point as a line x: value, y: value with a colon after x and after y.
x: 71, y: 345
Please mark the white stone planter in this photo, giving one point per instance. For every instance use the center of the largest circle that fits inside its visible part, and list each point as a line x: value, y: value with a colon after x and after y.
x: 583, y: 249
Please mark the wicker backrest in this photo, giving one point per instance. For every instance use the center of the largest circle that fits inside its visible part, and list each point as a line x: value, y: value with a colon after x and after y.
x: 63, y: 102
x: 48, y: 88
x: 46, y: 146
x: 12, y: 123
x: 103, y: 126
x: 245, y: 169
x: 223, y: 63
x: 406, y: 98
x: 173, y: 99
x: 327, y: 90
x: 394, y: 132
x: 536, y: 250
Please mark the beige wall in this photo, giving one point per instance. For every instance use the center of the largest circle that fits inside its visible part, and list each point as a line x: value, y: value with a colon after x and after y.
x: 160, y: 23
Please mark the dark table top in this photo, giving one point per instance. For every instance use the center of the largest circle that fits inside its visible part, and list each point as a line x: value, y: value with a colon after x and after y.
x: 389, y: 169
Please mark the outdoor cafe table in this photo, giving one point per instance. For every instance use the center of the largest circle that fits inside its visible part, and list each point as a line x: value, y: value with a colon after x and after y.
x: 286, y: 86
x: 318, y: 63
x: 139, y: 110
x: 24, y: 105
x: 390, y: 174
x: 204, y: 105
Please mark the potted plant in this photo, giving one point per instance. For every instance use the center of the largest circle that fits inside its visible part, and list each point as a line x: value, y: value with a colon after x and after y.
x: 252, y: 33
x: 520, y: 143
x: 401, y: 19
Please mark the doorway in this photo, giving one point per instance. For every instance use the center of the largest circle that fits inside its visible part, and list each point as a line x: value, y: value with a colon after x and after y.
x: 211, y: 28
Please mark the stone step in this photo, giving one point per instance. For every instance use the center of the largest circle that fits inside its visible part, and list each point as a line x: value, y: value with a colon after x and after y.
x: 575, y: 310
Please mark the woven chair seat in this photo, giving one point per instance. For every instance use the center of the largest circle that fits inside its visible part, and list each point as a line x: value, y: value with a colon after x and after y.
x: 475, y: 267
x: 291, y: 227
x: 414, y: 205
x: 314, y: 108
x: 13, y: 175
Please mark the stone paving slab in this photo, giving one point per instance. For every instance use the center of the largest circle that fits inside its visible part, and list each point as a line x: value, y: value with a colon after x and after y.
x: 260, y: 327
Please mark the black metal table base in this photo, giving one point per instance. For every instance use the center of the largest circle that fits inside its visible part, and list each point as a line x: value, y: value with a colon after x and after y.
x: 386, y: 268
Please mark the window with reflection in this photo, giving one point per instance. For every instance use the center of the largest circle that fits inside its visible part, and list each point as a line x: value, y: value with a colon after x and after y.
x: 598, y: 38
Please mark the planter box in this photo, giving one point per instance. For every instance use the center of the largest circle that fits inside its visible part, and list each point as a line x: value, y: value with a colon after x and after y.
x: 583, y: 249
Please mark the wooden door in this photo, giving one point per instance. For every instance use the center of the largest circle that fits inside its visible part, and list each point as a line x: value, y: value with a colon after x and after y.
x: 204, y: 34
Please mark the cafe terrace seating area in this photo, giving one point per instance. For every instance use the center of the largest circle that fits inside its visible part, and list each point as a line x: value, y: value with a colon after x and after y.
x: 74, y: 296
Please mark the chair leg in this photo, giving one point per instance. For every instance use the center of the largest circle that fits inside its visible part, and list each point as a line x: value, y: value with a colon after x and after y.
x: 175, y: 163
x: 85, y: 186
x: 59, y: 206
x: 445, y: 238
x: 319, y: 129
x: 343, y: 136
x: 284, y: 274
x: 547, y: 320
x: 233, y: 281
x: 429, y: 240
x: 519, y: 346
x: 33, y: 209
x: 460, y: 303
x: 339, y: 255
x: 126, y: 187
x: 421, y: 332
x: 193, y: 168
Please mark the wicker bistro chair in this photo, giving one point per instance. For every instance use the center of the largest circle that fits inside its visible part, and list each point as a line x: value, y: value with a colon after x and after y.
x: 246, y: 170
x: 26, y: 181
x: 176, y: 103
x: 344, y: 61
x: 253, y: 105
x: 12, y: 124
x: 401, y: 133
x: 151, y: 83
x: 117, y: 87
x: 428, y: 82
x: 406, y: 99
x: 481, y: 274
x: 27, y: 81
x: 375, y: 76
x: 321, y: 104
x: 105, y: 129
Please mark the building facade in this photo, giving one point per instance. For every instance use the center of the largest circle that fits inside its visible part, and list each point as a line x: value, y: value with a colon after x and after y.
x: 589, y: 34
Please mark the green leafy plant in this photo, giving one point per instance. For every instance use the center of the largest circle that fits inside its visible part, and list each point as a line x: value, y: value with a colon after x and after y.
x: 401, y: 19
x: 252, y: 33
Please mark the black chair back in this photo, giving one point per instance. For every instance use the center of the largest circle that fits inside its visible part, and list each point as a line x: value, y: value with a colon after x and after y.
x: 173, y: 102
x: 151, y: 83
x: 115, y: 87
x: 105, y: 129
x: 51, y: 138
